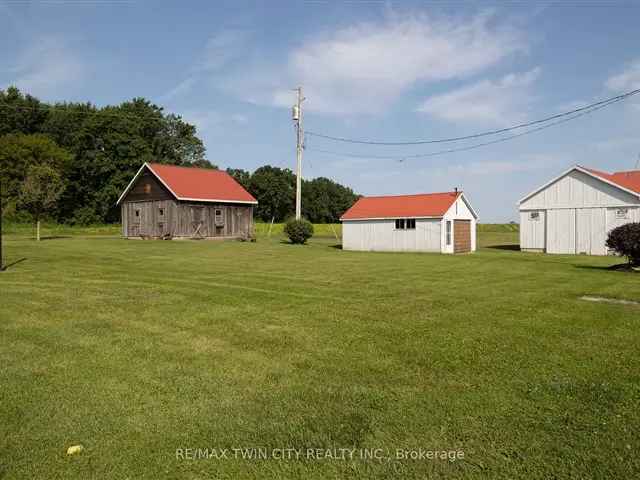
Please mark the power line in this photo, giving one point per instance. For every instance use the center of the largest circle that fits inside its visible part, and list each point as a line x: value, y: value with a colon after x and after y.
x: 482, y: 134
x: 401, y: 158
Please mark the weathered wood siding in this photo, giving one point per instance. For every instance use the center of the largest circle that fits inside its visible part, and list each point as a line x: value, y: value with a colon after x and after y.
x: 199, y: 219
x: 148, y: 219
x: 147, y: 187
x: 158, y: 218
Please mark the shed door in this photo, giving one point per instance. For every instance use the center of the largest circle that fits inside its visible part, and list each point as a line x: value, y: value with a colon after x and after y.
x: 198, y: 224
x: 461, y: 236
x: 561, y: 231
x: 134, y: 215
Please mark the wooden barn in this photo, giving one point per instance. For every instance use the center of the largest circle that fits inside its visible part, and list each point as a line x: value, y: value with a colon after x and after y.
x: 430, y: 222
x: 166, y: 201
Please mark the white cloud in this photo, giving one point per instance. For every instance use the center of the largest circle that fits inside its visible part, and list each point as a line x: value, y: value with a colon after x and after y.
x: 499, y: 102
x: 365, y: 67
x: 46, y: 66
x: 629, y: 79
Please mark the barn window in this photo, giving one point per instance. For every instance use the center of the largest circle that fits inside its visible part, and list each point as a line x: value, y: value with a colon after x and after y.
x: 534, y: 216
x: 219, y: 218
x: 400, y: 224
x: 411, y: 223
x: 137, y: 212
x: 161, y: 212
x: 147, y: 188
x: 448, y: 230
x: 622, y: 213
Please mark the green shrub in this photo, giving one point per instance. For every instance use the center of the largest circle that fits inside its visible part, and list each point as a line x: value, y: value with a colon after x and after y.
x: 298, y: 231
x: 625, y: 241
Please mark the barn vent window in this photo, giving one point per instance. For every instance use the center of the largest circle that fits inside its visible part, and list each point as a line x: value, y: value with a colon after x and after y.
x: 448, y: 230
x: 147, y: 188
x: 534, y: 216
x: 161, y: 212
x: 137, y: 213
x: 622, y: 213
x: 219, y: 218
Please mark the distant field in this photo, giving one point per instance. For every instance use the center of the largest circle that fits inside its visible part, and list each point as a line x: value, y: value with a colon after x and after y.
x: 136, y: 349
x: 261, y: 229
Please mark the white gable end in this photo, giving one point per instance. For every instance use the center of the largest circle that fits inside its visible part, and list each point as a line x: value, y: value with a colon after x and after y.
x: 578, y: 190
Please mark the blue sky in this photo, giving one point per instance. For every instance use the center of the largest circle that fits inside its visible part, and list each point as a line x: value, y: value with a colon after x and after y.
x: 370, y: 70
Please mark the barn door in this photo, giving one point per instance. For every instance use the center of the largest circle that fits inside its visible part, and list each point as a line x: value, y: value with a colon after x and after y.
x: 198, y: 224
x: 162, y: 223
x: 461, y: 236
x: 134, y: 215
x: 561, y: 231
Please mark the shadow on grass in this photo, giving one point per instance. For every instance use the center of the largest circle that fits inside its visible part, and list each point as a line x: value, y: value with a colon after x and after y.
x: 512, y: 247
x: 9, y: 265
x: 620, y: 267
x: 337, y: 246
x: 53, y: 237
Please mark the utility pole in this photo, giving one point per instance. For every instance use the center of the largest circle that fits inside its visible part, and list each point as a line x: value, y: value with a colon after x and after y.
x: 297, y: 117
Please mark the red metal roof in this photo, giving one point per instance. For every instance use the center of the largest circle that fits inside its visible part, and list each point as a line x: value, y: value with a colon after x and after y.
x: 201, y: 184
x: 401, y: 206
x: 629, y: 180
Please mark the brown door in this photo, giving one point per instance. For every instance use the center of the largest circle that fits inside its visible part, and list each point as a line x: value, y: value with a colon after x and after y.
x: 198, y: 223
x: 461, y: 236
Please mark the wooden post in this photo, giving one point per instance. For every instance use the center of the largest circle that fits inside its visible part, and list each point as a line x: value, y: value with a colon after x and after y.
x: 38, y: 230
x: 270, y: 226
x: 334, y: 231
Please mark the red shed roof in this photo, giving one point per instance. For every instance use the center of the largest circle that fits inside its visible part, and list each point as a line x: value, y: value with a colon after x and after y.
x: 421, y: 205
x: 629, y: 180
x: 197, y: 184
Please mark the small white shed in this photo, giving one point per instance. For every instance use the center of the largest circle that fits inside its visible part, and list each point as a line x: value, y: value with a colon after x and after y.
x: 574, y: 212
x: 431, y: 222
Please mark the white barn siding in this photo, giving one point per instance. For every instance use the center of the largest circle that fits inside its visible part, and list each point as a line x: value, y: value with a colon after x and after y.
x: 561, y: 230
x: 532, y: 232
x: 577, y: 212
x: 382, y: 236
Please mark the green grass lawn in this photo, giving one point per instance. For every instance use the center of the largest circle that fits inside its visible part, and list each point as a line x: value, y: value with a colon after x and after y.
x: 135, y: 349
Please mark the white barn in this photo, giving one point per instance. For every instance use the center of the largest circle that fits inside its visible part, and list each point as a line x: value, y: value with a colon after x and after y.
x: 432, y: 222
x: 574, y: 212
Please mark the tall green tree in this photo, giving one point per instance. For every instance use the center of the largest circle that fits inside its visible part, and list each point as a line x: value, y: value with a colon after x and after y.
x: 274, y: 188
x: 40, y: 192
x: 241, y: 176
x: 20, y: 113
x: 324, y: 201
x: 18, y: 153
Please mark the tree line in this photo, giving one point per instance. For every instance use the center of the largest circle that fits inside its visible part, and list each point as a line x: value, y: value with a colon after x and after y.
x: 323, y: 200
x: 88, y: 155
